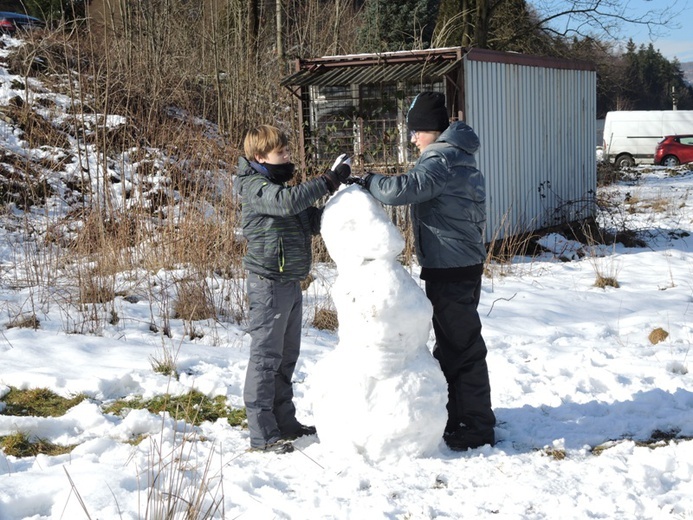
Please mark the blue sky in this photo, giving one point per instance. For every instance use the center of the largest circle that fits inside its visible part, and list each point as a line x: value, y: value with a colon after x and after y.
x: 675, y: 41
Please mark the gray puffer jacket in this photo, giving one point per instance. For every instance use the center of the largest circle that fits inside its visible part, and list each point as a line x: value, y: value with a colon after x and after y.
x: 448, y: 200
x: 278, y: 223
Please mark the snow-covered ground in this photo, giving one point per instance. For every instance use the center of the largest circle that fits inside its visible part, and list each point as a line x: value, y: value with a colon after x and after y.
x: 571, y: 369
x: 580, y: 392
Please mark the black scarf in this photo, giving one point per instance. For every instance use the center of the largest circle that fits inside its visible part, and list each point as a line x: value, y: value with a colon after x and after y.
x: 279, y: 173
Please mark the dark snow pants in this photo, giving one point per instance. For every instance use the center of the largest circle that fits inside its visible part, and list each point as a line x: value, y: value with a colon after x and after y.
x: 275, y: 330
x: 461, y: 352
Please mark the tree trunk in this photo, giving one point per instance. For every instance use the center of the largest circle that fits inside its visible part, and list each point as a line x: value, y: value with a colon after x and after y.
x: 253, y: 22
x: 280, y: 44
x: 467, y: 27
x: 482, y: 23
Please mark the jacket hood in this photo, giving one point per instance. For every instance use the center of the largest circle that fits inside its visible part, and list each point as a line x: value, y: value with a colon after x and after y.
x: 462, y: 136
x: 245, y: 167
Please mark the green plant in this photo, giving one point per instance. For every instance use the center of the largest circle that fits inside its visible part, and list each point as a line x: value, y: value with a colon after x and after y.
x: 38, y: 402
x: 193, y: 407
x: 21, y: 445
x: 165, y: 363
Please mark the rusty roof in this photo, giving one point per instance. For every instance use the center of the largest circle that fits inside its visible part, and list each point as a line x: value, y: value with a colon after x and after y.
x: 375, y: 68
x: 423, y: 65
x: 383, y: 73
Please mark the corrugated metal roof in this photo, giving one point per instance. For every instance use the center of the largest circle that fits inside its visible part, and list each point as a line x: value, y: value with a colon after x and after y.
x: 420, y: 65
x: 369, y: 74
x: 515, y: 58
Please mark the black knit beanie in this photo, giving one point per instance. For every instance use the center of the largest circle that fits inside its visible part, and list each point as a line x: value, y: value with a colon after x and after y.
x: 428, y: 113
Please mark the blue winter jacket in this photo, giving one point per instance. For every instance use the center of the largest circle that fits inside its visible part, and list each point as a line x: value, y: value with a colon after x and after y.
x: 448, y: 200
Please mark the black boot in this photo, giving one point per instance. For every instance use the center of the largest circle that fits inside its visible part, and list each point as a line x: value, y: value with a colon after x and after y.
x: 465, y: 438
x: 302, y: 431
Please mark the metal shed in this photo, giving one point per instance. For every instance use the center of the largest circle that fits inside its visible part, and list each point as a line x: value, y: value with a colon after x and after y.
x: 535, y: 117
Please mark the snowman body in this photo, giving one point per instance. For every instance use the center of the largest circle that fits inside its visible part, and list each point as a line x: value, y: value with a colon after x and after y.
x: 380, y: 393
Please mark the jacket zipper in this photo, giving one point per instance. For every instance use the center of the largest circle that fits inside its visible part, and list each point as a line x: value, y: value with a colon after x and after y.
x: 281, y: 255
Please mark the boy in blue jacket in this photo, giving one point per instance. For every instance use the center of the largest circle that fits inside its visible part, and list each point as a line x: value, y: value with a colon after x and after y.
x: 447, y: 197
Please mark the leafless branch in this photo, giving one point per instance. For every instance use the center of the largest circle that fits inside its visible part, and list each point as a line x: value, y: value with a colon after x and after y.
x: 494, y: 302
x: 588, y: 17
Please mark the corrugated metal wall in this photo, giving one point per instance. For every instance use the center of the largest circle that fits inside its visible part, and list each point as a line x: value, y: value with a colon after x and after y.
x: 536, y: 126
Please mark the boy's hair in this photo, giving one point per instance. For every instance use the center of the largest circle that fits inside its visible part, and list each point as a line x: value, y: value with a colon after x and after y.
x: 263, y: 139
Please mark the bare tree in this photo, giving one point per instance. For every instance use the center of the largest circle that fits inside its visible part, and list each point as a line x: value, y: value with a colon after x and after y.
x: 253, y: 21
x: 280, y: 30
x: 469, y: 22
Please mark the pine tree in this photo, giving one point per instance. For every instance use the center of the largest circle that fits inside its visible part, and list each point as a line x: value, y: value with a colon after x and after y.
x: 649, y: 78
x: 391, y: 26
x: 51, y: 10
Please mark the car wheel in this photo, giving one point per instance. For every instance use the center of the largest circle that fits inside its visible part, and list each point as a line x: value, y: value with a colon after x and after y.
x: 670, y: 160
x: 624, y: 161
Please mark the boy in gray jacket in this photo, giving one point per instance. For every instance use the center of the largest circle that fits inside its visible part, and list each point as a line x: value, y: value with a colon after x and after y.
x: 447, y: 197
x: 278, y: 223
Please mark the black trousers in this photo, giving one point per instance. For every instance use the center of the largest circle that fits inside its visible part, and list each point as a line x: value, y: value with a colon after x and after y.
x: 461, y: 352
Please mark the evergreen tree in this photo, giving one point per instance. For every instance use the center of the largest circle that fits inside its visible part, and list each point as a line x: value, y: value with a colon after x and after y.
x: 391, y: 26
x: 507, y: 25
x: 649, y: 79
x: 56, y: 10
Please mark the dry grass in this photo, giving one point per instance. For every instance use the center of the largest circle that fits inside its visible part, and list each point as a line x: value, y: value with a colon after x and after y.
x: 639, y: 205
x: 502, y: 251
x: 659, y: 205
x: 657, y: 439
x: 36, y: 130
x: 165, y: 363
x: 25, y: 321
x: 159, y: 195
x: 555, y: 453
x: 193, y: 301
x: 657, y: 335
x: 326, y: 319
x: 177, y: 482
x: 21, y: 182
x: 603, y: 282
x: 93, y: 290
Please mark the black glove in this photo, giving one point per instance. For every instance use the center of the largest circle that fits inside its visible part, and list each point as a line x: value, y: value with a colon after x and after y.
x: 340, y: 172
x: 361, y: 181
x: 334, y: 178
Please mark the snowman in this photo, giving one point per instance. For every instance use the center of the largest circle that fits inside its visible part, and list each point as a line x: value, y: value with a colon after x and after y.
x: 380, y: 393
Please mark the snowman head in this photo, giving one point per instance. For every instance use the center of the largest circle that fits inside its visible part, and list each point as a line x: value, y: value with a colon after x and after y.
x: 356, y: 229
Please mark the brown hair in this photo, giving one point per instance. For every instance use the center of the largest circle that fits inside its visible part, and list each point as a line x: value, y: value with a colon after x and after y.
x: 263, y: 139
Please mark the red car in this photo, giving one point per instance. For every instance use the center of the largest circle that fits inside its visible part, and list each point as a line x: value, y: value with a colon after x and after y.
x: 674, y: 150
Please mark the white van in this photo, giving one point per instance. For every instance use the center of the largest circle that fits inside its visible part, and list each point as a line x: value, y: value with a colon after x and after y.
x: 631, y: 136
